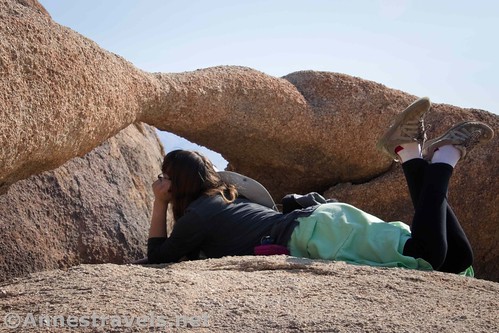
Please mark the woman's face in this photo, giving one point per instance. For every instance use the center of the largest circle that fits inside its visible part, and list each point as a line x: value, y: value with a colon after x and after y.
x: 187, y: 172
x: 162, y: 188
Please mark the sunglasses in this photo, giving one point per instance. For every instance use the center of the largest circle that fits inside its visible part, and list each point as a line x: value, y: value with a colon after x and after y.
x: 162, y: 176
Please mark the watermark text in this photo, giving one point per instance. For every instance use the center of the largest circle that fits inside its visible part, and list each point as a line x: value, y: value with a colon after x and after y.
x: 31, y: 320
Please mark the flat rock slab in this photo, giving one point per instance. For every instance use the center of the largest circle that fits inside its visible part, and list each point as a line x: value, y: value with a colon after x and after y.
x: 252, y: 294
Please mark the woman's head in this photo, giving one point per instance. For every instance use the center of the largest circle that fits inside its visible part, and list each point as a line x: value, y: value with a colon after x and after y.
x: 192, y: 175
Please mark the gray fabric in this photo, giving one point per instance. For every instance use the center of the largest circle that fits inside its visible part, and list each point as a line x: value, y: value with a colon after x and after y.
x: 297, y: 201
x: 219, y: 229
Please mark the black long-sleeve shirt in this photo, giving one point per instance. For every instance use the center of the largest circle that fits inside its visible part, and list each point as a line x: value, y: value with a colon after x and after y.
x: 219, y: 229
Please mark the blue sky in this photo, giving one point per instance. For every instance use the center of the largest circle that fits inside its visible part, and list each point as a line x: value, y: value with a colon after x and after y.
x: 446, y: 50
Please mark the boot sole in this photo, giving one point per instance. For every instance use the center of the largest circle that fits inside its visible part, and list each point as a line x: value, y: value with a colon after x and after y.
x: 432, y: 145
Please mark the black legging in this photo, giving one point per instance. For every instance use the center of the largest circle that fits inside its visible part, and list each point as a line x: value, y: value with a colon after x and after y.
x: 437, y: 236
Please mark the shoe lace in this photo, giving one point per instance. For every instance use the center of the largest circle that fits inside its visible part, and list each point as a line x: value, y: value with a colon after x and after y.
x: 468, y: 138
x: 473, y: 139
x: 413, y: 129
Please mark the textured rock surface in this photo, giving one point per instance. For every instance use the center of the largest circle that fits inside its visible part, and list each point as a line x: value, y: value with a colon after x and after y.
x: 61, y: 95
x: 255, y: 294
x: 292, y: 134
x: 90, y: 210
x: 301, y: 128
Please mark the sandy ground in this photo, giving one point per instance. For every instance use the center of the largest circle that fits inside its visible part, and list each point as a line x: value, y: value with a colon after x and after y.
x: 248, y: 294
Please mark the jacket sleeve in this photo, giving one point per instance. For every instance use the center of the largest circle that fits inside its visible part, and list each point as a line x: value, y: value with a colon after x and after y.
x: 187, y: 236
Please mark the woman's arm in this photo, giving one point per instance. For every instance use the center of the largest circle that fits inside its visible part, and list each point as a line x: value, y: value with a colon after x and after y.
x: 186, y: 237
x: 162, y: 196
x: 187, y: 234
x: 158, y: 221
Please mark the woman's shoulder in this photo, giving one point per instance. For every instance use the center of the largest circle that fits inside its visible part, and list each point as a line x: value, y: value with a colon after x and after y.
x: 206, y: 200
x: 207, y: 203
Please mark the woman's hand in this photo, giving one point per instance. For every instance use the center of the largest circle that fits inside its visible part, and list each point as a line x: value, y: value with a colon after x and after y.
x: 161, y: 190
x: 162, y: 196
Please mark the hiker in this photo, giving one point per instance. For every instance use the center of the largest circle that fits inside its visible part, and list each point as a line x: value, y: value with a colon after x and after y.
x: 213, y: 221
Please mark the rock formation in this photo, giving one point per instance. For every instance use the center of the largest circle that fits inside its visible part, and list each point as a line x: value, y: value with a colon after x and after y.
x: 472, y: 191
x: 253, y: 294
x: 61, y: 96
x: 90, y: 210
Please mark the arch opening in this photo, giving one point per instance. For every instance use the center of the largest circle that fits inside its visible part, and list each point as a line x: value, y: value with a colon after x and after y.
x: 172, y: 141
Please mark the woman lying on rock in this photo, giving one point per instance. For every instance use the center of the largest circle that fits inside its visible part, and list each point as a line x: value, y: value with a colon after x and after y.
x: 211, y: 219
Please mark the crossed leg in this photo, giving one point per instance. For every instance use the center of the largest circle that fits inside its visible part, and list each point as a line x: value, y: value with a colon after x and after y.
x: 437, y: 235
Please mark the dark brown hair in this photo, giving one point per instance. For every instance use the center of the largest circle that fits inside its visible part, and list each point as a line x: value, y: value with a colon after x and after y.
x: 192, y: 175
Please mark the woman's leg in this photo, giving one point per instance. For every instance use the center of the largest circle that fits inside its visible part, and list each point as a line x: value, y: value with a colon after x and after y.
x: 414, y: 171
x: 427, y: 184
x: 459, y: 252
x: 437, y: 236
x: 443, y: 243
x: 429, y: 230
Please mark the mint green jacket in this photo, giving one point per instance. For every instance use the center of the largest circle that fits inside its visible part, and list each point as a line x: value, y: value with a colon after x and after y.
x: 338, y: 231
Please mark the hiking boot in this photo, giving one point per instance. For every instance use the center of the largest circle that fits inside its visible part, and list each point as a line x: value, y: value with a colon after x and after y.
x: 407, y: 127
x: 464, y: 136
